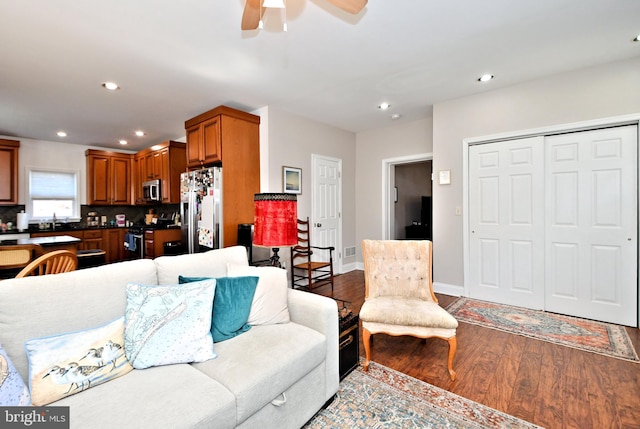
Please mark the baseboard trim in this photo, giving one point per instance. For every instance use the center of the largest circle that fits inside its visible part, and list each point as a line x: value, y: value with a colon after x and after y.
x: 447, y: 289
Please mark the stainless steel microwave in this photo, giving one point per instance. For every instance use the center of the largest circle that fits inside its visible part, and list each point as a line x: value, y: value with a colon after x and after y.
x: 151, y: 191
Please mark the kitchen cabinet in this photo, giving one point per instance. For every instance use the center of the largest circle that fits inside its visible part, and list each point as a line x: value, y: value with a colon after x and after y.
x: 154, y: 240
x: 92, y: 240
x: 9, y: 172
x: 113, y: 240
x: 230, y: 137
x: 164, y: 162
x: 108, y: 178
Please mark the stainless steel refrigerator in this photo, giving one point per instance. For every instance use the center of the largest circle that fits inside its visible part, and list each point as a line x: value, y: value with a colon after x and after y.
x: 201, y: 209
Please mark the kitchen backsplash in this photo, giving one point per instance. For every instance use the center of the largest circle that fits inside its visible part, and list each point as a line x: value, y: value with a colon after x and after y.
x: 132, y: 213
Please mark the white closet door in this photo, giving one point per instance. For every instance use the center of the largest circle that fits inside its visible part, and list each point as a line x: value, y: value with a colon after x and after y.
x: 506, y: 222
x: 591, y: 224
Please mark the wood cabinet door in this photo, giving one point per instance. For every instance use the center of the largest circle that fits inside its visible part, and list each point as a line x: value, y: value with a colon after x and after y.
x: 98, y: 180
x: 193, y: 146
x: 9, y: 172
x: 121, y: 181
x: 165, y: 176
x: 114, y: 244
x: 211, y: 141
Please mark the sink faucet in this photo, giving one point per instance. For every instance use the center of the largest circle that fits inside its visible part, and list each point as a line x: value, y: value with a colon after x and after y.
x: 54, y: 221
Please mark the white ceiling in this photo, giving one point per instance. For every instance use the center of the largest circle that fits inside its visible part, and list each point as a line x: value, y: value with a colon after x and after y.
x: 176, y: 59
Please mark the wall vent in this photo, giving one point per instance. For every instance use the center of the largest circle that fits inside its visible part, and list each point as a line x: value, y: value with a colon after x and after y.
x: 349, y: 251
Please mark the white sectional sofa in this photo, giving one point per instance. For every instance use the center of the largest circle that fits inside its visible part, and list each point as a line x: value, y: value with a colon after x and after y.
x: 272, y: 376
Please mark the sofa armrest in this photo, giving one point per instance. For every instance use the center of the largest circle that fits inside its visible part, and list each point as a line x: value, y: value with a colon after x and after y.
x: 321, y: 314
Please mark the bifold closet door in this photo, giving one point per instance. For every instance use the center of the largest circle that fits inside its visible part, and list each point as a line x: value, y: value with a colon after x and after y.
x: 506, y: 222
x: 591, y: 224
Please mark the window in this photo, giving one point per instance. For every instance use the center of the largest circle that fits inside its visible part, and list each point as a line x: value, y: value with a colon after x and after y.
x: 53, y: 192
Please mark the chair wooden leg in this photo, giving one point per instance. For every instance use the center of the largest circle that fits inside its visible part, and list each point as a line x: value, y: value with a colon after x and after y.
x: 366, y: 340
x: 452, y: 352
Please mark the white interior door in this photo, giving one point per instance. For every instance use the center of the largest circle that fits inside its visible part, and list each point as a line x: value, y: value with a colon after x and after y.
x: 506, y: 222
x: 325, y: 220
x: 591, y: 230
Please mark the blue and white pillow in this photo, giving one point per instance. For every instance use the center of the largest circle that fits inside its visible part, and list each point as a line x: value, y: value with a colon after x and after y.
x: 62, y: 365
x: 13, y: 390
x: 169, y: 324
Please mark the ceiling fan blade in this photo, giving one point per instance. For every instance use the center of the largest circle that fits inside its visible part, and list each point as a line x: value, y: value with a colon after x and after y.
x: 251, y: 15
x: 351, y: 6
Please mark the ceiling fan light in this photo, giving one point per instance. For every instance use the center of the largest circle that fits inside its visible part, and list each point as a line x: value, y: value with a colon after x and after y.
x: 276, y: 4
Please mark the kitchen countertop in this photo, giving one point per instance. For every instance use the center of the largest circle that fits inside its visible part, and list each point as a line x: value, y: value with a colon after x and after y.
x: 43, y: 241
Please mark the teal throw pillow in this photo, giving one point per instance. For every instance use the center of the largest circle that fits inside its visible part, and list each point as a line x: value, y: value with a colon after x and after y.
x: 169, y: 324
x: 231, y: 305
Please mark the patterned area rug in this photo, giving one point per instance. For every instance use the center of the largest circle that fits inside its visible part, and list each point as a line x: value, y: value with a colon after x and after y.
x: 384, y: 398
x: 597, y: 337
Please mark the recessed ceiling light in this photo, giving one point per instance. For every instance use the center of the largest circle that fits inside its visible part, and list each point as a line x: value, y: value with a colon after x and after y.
x: 485, y: 78
x: 637, y: 39
x: 140, y: 133
x: 61, y: 134
x: 122, y: 142
x: 111, y: 86
x: 384, y: 106
x: 396, y: 116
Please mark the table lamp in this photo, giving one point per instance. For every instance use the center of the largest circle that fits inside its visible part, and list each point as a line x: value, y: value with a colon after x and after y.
x: 275, y: 222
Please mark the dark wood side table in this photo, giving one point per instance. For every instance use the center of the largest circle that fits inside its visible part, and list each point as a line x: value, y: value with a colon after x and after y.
x: 349, y: 343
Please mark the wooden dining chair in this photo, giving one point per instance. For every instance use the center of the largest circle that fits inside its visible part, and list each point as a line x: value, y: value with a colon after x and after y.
x: 58, y: 261
x: 307, y: 271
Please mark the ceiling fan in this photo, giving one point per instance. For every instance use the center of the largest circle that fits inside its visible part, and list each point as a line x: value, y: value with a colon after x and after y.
x: 253, y: 10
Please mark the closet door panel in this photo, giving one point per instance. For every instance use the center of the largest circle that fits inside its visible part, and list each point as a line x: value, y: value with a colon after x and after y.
x: 591, y: 244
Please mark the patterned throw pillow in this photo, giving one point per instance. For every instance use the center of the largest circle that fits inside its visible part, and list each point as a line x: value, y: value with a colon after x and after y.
x: 231, y: 305
x: 169, y: 324
x: 62, y: 365
x: 13, y: 391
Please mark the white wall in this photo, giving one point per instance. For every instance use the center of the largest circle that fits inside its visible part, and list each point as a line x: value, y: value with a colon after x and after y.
x: 588, y: 94
x: 51, y: 155
x: 292, y: 140
x: 372, y: 147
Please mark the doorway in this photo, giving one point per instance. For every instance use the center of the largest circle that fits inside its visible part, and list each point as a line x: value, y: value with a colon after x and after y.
x: 389, y: 165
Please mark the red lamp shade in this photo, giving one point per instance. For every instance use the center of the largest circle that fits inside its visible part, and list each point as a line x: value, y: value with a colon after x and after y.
x: 275, y: 222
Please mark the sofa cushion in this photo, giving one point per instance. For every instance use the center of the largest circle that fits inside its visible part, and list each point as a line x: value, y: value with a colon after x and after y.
x: 169, y: 324
x: 170, y: 396
x: 269, y: 304
x: 66, y: 364
x: 262, y: 363
x: 231, y: 305
x: 13, y: 390
x: 40, y: 306
x: 208, y: 264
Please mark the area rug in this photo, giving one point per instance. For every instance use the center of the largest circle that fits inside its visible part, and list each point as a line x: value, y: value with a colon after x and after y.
x: 582, y: 334
x: 384, y: 398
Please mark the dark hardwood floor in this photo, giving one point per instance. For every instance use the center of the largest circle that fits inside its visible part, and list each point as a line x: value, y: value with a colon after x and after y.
x: 549, y: 385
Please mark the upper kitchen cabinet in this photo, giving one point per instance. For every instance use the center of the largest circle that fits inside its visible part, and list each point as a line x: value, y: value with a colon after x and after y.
x: 9, y: 172
x: 108, y: 178
x: 213, y: 133
x: 233, y: 137
x: 163, y: 162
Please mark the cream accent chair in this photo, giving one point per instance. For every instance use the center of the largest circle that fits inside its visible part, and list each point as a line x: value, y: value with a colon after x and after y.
x: 399, y: 298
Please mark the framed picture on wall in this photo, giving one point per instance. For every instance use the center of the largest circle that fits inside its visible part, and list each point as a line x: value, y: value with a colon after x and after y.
x: 291, y: 180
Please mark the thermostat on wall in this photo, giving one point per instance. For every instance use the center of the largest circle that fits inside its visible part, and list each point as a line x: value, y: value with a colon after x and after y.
x: 445, y: 177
